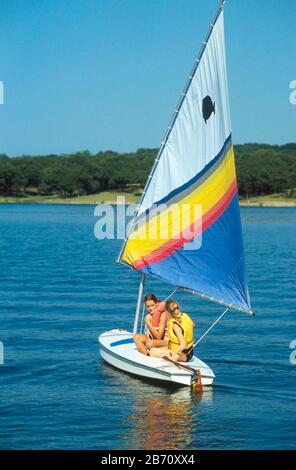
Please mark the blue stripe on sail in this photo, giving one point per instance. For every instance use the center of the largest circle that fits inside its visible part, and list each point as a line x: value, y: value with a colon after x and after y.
x: 190, y: 182
x: 122, y: 341
x: 217, y: 268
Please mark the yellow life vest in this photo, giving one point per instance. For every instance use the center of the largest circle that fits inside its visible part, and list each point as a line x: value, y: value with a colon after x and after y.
x: 187, y: 329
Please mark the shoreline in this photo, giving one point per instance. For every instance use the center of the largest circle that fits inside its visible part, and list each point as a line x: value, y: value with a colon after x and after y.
x: 132, y: 196
x: 267, y: 203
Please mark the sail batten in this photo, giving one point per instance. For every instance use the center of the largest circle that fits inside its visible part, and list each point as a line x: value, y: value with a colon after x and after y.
x: 187, y: 231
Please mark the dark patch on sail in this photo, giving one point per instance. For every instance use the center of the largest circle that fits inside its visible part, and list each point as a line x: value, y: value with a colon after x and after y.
x: 208, y: 107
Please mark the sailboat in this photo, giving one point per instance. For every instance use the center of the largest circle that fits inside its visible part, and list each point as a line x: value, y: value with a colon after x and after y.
x: 194, y: 168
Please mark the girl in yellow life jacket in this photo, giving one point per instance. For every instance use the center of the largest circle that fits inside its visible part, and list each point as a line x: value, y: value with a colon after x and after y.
x: 180, y: 336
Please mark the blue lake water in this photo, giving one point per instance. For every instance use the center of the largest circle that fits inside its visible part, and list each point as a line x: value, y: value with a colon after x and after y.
x: 60, y: 288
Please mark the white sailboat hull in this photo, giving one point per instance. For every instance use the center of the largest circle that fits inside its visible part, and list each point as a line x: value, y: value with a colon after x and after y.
x: 118, y: 349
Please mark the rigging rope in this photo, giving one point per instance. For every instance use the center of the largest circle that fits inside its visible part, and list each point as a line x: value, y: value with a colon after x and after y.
x: 209, y: 329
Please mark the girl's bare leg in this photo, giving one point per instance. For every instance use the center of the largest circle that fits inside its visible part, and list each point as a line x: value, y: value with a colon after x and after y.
x: 159, y: 352
x: 156, y: 343
x: 141, y: 341
x: 181, y: 357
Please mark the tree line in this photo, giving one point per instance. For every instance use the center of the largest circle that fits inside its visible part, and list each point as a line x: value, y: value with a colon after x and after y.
x: 261, y: 170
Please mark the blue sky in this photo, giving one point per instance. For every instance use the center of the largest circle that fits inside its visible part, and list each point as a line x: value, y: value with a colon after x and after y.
x: 107, y: 74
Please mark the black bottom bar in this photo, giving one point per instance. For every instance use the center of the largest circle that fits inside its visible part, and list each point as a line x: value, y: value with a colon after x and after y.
x: 135, y: 459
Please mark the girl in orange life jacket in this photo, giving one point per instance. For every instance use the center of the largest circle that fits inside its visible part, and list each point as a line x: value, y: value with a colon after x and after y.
x: 156, y: 321
x: 179, y: 345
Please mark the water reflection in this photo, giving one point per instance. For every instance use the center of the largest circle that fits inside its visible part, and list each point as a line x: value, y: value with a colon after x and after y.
x: 161, y: 416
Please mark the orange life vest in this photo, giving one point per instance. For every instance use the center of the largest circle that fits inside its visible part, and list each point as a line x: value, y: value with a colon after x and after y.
x: 159, y: 309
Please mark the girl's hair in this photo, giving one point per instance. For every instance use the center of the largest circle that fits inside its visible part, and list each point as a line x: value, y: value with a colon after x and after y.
x: 150, y: 297
x: 170, y: 306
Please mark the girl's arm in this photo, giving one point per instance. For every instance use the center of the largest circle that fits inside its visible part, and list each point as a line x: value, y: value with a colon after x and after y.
x: 157, y: 334
x: 161, y: 326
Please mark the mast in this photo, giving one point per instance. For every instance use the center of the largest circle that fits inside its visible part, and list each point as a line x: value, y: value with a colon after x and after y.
x: 172, y: 123
x: 139, y: 302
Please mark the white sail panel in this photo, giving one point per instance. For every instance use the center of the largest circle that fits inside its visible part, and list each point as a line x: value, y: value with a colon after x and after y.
x: 193, y: 143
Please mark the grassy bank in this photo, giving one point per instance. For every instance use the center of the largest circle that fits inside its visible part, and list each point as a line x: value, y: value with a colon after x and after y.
x: 272, y: 200
x: 99, y: 198
x: 111, y: 197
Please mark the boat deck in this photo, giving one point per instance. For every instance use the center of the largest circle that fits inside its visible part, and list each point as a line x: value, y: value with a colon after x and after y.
x: 118, y: 349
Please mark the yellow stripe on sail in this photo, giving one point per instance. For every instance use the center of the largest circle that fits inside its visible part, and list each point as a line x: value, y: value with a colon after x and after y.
x: 168, y: 224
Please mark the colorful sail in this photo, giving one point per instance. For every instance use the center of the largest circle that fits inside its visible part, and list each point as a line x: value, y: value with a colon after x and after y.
x: 194, y: 175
